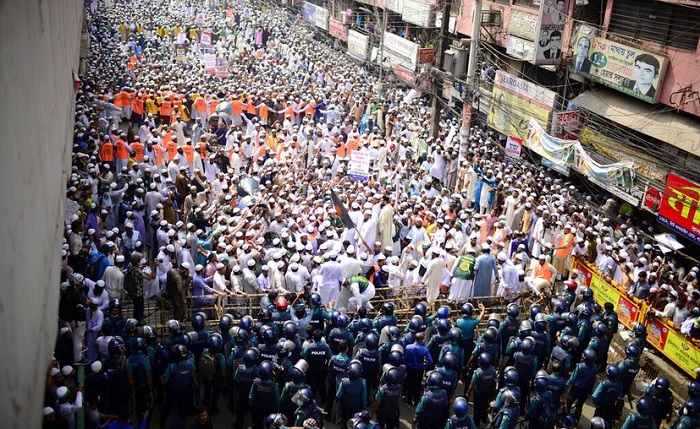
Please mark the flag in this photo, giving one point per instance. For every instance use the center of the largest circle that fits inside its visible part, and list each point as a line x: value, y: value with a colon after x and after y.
x: 342, y: 211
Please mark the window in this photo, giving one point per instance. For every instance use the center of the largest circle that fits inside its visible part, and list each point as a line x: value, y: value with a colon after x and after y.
x: 532, y: 4
x: 663, y: 23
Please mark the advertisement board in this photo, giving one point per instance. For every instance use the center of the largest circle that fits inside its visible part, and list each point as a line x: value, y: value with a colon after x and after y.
x: 514, y: 147
x: 520, y: 48
x: 426, y: 55
x: 515, y: 101
x: 338, y: 30
x: 394, y: 5
x: 652, y: 199
x: 523, y: 25
x: 321, y: 18
x: 566, y: 124
x: 626, y: 69
x: 673, y: 345
x: 550, y: 34
x: 358, y: 45
x: 308, y: 12
x: 359, y: 165
x: 679, y: 207
x: 418, y: 13
x: 400, y: 51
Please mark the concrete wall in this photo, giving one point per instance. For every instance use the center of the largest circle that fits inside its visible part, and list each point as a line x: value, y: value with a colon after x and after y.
x: 39, y: 47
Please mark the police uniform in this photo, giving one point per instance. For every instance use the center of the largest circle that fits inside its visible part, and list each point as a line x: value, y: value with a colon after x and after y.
x: 318, y: 354
x: 244, y: 378
x: 388, y: 397
x: 432, y: 410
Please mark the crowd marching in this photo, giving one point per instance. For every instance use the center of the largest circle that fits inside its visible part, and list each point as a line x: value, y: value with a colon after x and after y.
x: 201, y: 191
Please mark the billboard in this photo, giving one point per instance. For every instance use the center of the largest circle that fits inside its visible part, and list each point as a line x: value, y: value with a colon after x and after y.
x: 400, y: 51
x: 679, y: 207
x: 338, y: 30
x: 550, y: 34
x: 321, y: 18
x: 418, y: 13
x: 514, y: 101
x: 358, y: 45
x: 308, y: 12
x: 626, y: 69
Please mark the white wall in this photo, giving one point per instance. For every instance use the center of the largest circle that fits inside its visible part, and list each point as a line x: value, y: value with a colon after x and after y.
x: 39, y: 48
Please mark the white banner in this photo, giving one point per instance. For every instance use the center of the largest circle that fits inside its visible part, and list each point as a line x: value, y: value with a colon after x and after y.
x: 394, y: 5
x: 358, y: 44
x: 322, y: 18
x: 418, y: 13
x: 514, y: 147
x: 400, y: 51
x: 205, y: 38
x: 359, y: 165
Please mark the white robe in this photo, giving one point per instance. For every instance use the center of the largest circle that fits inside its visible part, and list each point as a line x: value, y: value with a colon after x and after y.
x: 433, y: 278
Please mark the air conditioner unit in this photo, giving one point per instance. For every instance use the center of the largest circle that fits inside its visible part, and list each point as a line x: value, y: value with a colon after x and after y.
x: 449, y: 60
x: 491, y: 17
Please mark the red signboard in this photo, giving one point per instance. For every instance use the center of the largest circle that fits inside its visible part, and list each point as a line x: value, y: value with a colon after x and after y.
x: 626, y: 311
x: 467, y: 114
x: 338, y: 30
x: 657, y: 334
x: 679, y: 207
x: 652, y: 199
x: 426, y: 55
x: 405, y: 74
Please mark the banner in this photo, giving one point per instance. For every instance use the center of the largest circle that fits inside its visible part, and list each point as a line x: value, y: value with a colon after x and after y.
x: 400, y: 51
x: 358, y: 44
x: 210, y: 63
x: 205, y: 38
x: 679, y: 207
x: 552, y: 21
x: 426, y: 55
x: 181, y: 52
x: 338, y: 30
x: 358, y: 168
x: 514, y: 147
x: 222, y: 68
x: 514, y: 101
x: 321, y: 18
x: 673, y: 345
x: 308, y: 12
x: 566, y: 124
x: 626, y: 69
x: 418, y: 13
x: 627, y: 310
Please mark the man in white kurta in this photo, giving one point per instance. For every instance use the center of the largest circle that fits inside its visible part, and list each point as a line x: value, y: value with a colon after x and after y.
x: 385, y: 224
x: 368, y: 231
x: 331, y: 279
x: 433, y: 275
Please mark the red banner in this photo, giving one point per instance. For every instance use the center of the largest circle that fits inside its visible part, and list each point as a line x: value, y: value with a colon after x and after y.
x: 652, y: 199
x: 657, y: 334
x: 426, y: 55
x: 679, y: 207
x: 338, y: 30
x: 405, y: 74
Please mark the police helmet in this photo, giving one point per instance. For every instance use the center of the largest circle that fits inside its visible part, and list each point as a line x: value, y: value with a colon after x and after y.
x: 693, y: 388
x: 281, y: 304
x: 387, y: 309
x: 302, y: 396
x: 524, y: 328
x: 491, y: 334
x: 115, y: 346
x: 589, y: 356
x: 140, y: 345
x: 572, y: 319
x: 355, y: 370
x: 265, y: 315
x: 130, y: 324
x: 315, y: 299
x: 225, y: 323
x: 115, y: 303
x: 199, y: 322
x: 268, y: 335
x: 527, y: 346
x: 613, y: 372
x: 180, y: 352
x: 174, y: 326
x: 334, y: 317
x: 265, y: 370
x: 434, y: 380
x: 513, y: 311
x: 443, y: 326
x: 601, y: 329
x: 215, y: 342
x: 598, y: 423
x: 289, y: 330
x: 540, y: 322
x: 587, y: 294
x: 393, y: 333
x: 484, y: 360
x: 691, y: 407
x: 511, y: 376
x: 395, y: 358
x: 662, y: 383
x: 392, y: 376
x: 541, y: 384
x: 415, y: 324
x: 371, y: 341
x: 250, y: 356
x: 639, y: 329
x: 364, y: 324
x: 242, y: 336
x: 455, y: 334
x: 276, y: 420
x: 535, y: 309
x: 443, y: 312
x: 449, y: 361
x: 644, y: 405
x: 461, y: 407
x: 342, y: 321
x: 246, y: 323
x: 572, y: 343
x: 420, y: 309
x: 467, y: 309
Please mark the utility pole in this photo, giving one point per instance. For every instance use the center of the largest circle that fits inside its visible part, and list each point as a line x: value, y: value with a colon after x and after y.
x: 379, y: 23
x: 440, y: 54
x: 474, y: 45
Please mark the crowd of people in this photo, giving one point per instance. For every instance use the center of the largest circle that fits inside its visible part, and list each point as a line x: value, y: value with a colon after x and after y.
x: 197, y: 188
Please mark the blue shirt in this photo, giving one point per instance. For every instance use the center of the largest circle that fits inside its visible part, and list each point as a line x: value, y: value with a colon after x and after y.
x: 416, y: 356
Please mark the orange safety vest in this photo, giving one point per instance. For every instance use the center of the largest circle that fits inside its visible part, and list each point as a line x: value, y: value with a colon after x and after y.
x: 236, y: 107
x: 212, y: 106
x: 566, y: 240
x: 311, y: 111
x: 122, y: 152
x: 167, y: 138
x: 376, y: 270
x: 341, y: 148
x: 542, y: 271
x: 107, y: 152
x: 289, y: 110
x: 353, y: 144
x: 166, y: 108
x: 159, y: 155
x: 200, y: 104
x: 138, y: 148
x: 171, y: 147
x: 177, y: 103
x: 121, y: 99
x: 251, y: 107
x: 188, y: 150
x: 264, y: 113
x: 203, y: 150
x: 138, y: 106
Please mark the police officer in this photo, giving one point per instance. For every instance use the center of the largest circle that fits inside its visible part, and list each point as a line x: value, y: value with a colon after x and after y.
x: 599, y: 342
x: 138, y: 369
x: 639, y: 335
x: 181, y: 381
x: 392, y: 334
x: 236, y: 348
x: 607, y: 397
x: 297, y: 374
x: 115, y: 368
x: 369, y: 358
x: 611, y: 322
x: 340, y: 333
x: 198, y: 338
x: 225, y: 325
x: 386, y: 403
x: 386, y: 317
x: 352, y: 392
x: 281, y: 313
x: 581, y: 382
x: 483, y: 387
x: 541, y: 412
x: 468, y: 323
x: 213, y: 361
x: 542, y: 345
x: 510, y: 326
x: 452, y: 346
x: 557, y: 385
x: 447, y: 368
x: 436, y: 341
x: 508, y: 415
x: 264, y: 394
x: 555, y: 321
x: 525, y: 363
x: 561, y: 354
x: 488, y: 343
x: 661, y: 400
x: 318, y: 354
x: 433, y: 408
x: 689, y: 417
x: 460, y: 419
x: 319, y: 315
x: 337, y: 367
x: 245, y: 375
x: 629, y: 368
x: 306, y: 408
x: 270, y: 348
x: 642, y: 418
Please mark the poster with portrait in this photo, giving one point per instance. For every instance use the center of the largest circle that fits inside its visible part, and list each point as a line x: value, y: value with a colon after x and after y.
x: 552, y: 23
x: 624, y: 68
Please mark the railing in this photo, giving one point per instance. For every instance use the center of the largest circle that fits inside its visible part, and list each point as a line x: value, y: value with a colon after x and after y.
x: 660, y: 332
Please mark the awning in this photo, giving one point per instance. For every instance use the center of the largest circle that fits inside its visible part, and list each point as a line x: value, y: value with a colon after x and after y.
x: 672, y: 128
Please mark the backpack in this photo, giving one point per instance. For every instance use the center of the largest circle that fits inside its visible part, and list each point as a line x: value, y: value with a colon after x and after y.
x: 93, y: 267
x: 548, y: 414
x: 207, y: 367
